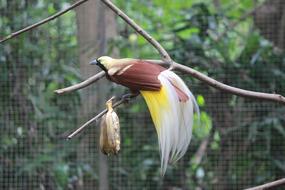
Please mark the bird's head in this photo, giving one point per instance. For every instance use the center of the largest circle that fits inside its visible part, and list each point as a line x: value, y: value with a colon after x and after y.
x: 103, y: 62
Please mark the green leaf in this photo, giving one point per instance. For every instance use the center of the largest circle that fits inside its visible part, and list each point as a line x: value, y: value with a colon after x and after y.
x: 205, y: 125
x: 61, y: 172
x: 216, y: 141
x: 200, y: 100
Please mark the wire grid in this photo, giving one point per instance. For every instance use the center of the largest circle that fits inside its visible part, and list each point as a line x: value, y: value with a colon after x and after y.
x: 34, y: 122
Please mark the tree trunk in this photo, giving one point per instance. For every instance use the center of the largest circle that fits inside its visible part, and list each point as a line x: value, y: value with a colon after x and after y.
x: 96, y: 25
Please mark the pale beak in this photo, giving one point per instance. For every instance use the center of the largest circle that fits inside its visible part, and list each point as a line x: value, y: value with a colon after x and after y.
x: 94, y: 62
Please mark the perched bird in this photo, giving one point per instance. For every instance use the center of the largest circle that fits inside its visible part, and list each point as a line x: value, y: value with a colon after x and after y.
x: 170, y: 102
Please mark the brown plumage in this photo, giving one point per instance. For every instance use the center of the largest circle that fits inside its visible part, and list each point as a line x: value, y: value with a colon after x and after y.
x: 140, y: 75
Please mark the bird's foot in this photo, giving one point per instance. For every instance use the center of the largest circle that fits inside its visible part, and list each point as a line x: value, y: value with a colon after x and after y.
x: 129, y: 96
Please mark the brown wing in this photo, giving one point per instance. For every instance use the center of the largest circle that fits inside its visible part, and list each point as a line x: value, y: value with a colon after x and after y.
x: 141, y: 75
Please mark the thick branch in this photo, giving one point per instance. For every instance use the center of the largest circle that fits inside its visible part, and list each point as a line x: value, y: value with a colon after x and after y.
x: 14, y: 34
x: 163, y: 53
x: 270, y: 185
x: 218, y: 85
x: 83, y: 84
x: 196, y: 74
x: 227, y: 88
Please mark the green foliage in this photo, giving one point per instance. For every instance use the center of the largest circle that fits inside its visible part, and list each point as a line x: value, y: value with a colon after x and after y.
x: 203, y: 126
x: 245, y: 138
x: 33, y: 117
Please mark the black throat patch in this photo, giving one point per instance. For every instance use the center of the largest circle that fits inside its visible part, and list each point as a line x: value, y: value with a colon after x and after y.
x: 102, y: 66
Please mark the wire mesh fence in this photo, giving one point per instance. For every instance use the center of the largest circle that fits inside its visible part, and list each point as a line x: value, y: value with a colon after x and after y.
x: 239, y: 142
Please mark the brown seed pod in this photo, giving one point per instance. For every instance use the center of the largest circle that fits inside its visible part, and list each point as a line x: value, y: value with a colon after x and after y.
x: 110, y: 131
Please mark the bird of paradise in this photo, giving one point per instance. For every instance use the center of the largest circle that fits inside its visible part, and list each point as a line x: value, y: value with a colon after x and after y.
x: 170, y: 102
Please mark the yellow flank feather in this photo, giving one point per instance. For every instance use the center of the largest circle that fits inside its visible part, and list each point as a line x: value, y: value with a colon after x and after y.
x: 157, y: 102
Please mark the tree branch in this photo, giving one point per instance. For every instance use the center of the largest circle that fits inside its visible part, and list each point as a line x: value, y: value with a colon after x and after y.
x: 196, y: 74
x: 14, y: 34
x: 233, y: 90
x: 163, y: 53
x: 218, y: 85
x: 165, y: 57
x: 95, y: 78
x: 124, y: 98
x: 178, y: 67
x: 192, y: 72
x: 83, y: 84
x: 270, y: 185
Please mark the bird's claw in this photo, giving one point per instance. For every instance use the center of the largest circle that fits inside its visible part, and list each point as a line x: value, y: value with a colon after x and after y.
x: 129, y: 96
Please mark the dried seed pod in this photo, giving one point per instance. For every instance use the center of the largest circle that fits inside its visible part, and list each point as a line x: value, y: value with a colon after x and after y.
x: 110, y: 131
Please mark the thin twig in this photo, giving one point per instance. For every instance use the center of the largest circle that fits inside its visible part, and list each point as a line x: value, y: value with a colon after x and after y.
x: 271, y: 185
x: 14, y: 34
x: 125, y: 98
x: 165, y: 56
x: 83, y: 84
x: 93, y: 119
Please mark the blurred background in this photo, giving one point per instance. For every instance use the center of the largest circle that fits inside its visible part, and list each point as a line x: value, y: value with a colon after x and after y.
x: 239, y: 143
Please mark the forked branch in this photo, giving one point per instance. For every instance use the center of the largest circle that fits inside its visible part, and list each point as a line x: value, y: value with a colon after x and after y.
x: 188, y: 70
x: 196, y: 74
x: 165, y: 59
x: 163, y: 53
x: 176, y: 66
